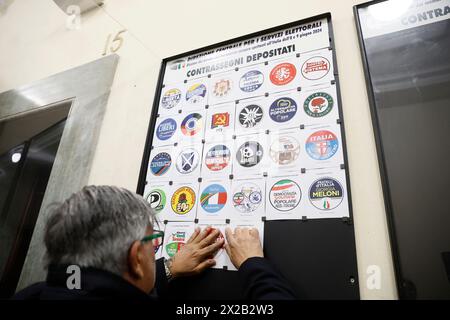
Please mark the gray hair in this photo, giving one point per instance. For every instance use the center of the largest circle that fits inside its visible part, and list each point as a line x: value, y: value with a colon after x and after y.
x: 96, y: 228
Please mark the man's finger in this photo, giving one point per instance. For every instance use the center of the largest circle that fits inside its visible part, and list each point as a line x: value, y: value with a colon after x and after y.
x: 213, y: 248
x: 205, y: 264
x: 254, y: 232
x: 194, y: 235
x: 211, y: 238
x: 202, y: 235
x: 229, y: 235
x: 227, y: 249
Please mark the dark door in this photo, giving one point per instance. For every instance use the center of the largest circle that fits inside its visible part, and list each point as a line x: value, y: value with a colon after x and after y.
x: 25, y: 172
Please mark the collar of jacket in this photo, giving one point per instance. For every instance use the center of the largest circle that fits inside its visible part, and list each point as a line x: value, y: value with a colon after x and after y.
x: 95, y: 283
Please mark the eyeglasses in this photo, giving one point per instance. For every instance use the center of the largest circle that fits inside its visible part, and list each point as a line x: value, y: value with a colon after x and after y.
x: 156, y: 238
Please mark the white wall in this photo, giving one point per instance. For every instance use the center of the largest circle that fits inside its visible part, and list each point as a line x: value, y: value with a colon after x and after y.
x: 35, y: 43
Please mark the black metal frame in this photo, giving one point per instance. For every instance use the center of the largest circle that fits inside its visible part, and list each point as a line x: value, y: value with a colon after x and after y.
x: 402, y: 286
x: 159, y: 86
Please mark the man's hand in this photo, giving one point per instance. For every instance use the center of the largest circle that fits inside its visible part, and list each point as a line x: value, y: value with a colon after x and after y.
x: 195, y: 255
x: 242, y: 245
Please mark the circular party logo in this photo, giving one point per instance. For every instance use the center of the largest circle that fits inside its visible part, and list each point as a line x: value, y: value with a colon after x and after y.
x: 283, y: 74
x: 222, y: 88
x: 171, y: 98
x: 187, y: 161
x: 213, y: 198
x: 326, y: 194
x: 249, y: 154
x: 322, y: 145
x: 315, y: 68
x: 192, y: 124
x: 251, y: 81
x: 218, y: 157
x: 166, y: 129
x: 284, y: 150
x: 160, y: 164
x: 157, y: 199
x: 247, y: 198
x: 285, y: 195
x: 318, y: 104
x: 177, y: 240
x: 196, y: 93
x: 283, y: 110
x: 183, y: 200
x: 250, y: 116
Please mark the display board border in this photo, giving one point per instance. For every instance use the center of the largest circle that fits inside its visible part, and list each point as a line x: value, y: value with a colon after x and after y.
x: 152, y: 125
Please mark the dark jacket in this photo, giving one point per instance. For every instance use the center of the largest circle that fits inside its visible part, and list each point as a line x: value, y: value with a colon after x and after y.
x: 259, y: 279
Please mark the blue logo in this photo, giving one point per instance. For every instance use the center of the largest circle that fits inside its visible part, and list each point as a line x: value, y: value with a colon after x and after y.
x: 322, y: 145
x: 160, y: 164
x: 251, y: 81
x: 213, y: 198
x: 166, y: 129
x: 283, y: 110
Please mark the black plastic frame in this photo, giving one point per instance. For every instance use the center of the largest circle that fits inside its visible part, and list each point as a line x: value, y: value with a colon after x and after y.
x: 403, y: 288
x: 154, y: 115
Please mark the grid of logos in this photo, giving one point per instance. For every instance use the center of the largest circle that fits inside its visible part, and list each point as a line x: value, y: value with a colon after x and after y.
x: 257, y: 143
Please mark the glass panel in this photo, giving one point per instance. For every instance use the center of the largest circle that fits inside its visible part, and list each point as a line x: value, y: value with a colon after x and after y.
x: 17, y: 225
x: 408, y: 59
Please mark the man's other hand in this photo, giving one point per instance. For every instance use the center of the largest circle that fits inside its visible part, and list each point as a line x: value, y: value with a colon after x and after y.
x: 243, y: 244
x: 195, y: 255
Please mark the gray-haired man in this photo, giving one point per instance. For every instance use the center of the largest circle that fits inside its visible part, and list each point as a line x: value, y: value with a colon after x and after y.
x: 108, y: 233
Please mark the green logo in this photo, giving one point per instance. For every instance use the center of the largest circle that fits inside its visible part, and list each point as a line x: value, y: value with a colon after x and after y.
x: 318, y: 104
x: 157, y: 199
x: 173, y: 248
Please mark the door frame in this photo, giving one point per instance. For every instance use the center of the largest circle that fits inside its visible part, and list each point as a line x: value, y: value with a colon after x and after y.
x: 89, y: 87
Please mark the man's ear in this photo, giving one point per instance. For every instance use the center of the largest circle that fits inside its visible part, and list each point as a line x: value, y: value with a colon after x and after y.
x: 135, y: 260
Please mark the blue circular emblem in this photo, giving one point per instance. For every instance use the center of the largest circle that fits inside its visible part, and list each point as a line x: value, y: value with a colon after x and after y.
x: 322, y: 145
x: 251, y: 81
x: 160, y: 164
x: 213, y: 198
x: 166, y: 129
x: 283, y: 109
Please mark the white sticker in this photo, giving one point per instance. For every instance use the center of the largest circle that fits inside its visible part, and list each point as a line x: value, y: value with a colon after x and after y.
x: 171, y: 99
x: 167, y: 130
x: 157, y: 194
x: 217, y: 159
x: 220, y: 122
x: 251, y: 155
x: 284, y: 110
x: 223, y: 87
x: 182, y: 201
x: 251, y: 116
x: 247, y: 199
x: 188, y: 161
x: 284, y: 151
x: 319, y: 104
x: 196, y: 96
x: 321, y: 147
x: 161, y: 164
x: 282, y: 74
x: 316, y: 67
x: 326, y: 193
x: 221, y: 256
x: 192, y: 127
x: 284, y: 198
x: 176, y: 235
x: 215, y: 200
x: 253, y: 81
x: 259, y: 225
